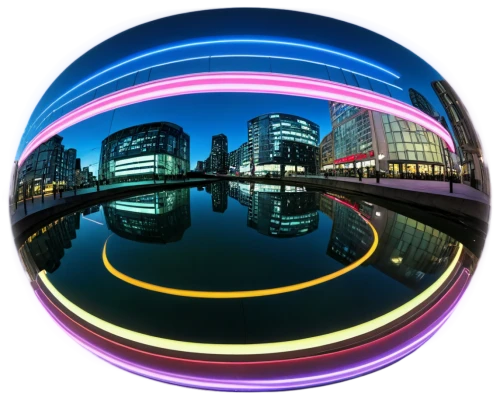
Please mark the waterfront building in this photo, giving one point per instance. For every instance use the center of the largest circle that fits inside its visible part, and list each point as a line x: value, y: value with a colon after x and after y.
x: 474, y: 170
x: 48, y: 167
x: 219, y: 192
x: 200, y: 166
x: 326, y: 153
x: 144, y: 152
x: 219, y: 160
x: 278, y: 143
x: 234, y: 160
x: 371, y: 140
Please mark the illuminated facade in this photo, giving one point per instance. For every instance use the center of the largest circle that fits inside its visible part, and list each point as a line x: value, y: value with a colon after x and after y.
x: 474, y: 171
x: 219, y: 157
x: 364, y: 138
x: 160, y: 217
x: 48, y: 166
x: 144, y: 152
x: 278, y: 143
x: 326, y: 152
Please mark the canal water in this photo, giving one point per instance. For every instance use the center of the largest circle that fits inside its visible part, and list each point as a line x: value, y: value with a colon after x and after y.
x: 163, y: 263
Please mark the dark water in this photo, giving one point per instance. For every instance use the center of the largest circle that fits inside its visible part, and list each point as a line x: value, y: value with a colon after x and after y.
x: 231, y: 236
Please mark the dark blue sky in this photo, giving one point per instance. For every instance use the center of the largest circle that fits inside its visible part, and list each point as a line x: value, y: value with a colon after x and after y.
x: 204, y: 115
x: 201, y: 116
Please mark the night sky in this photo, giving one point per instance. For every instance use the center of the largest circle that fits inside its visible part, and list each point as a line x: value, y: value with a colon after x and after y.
x: 204, y: 115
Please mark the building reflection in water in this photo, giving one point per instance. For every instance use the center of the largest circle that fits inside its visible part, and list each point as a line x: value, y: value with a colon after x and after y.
x: 277, y: 210
x: 408, y: 250
x: 44, y: 249
x: 160, y: 217
x: 219, y: 191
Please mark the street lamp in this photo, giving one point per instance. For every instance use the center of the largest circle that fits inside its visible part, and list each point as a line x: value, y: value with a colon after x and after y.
x: 381, y: 156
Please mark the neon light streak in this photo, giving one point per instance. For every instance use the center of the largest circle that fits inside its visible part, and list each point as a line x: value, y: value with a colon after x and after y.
x: 209, y: 42
x: 240, y: 83
x: 200, y: 58
x: 240, y: 294
x: 270, y: 375
x: 259, y: 348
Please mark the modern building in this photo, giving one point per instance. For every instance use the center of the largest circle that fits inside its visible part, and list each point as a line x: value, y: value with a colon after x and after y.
x: 47, y: 168
x: 474, y: 170
x: 219, y: 158
x: 371, y: 140
x: 234, y: 160
x: 44, y: 249
x: 278, y: 143
x: 144, y: 152
x: 244, y: 166
x: 419, y: 101
x: 200, y: 166
x: 326, y: 155
x: 208, y: 164
x: 160, y: 217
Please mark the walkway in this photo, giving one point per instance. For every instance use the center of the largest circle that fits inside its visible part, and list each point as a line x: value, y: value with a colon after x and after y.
x: 49, y: 201
x: 433, y: 187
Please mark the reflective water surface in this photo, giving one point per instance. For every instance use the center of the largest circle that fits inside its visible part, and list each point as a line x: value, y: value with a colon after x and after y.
x: 116, y: 260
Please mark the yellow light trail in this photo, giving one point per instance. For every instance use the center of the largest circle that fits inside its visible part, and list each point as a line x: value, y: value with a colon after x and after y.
x: 257, y: 348
x: 244, y: 293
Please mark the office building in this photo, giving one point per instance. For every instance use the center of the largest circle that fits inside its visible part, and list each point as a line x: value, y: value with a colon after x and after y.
x: 371, y: 140
x: 326, y: 155
x: 200, y: 166
x: 219, y: 158
x: 160, y: 217
x: 278, y: 143
x: 144, y: 152
x: 47, y: 168
x: 474, y: 170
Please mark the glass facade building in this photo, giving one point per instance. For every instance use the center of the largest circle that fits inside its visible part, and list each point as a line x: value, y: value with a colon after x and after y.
x: 326, y: 152
x: 281, y: 142
x: 402, y: 149
x: 48, y: 168
x: 144, y: 152
x: 160, y: 217
x: 219, y: 157
x: 474, y: 171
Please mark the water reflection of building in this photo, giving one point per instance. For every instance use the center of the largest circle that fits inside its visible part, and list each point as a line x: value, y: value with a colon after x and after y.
x: 144, y: 152
x: 351, y: 236
x: 408, y: 251
x: 474, y: 171
x: 49, y: 165
x: 160, y: 217
x: 219, y: 191
x: 45, y: 248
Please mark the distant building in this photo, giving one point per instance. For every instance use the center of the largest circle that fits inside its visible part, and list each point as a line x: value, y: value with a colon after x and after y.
x: 234, y: 160
x: 47, y: 166
x: 278, y: 143
x: 474, y: 170
x: 326, y: 155
x: 219, y: 157
x: 144, y: 152
x: 200, y: 166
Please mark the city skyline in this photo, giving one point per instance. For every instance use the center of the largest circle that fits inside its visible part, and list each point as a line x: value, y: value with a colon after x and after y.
x: 239, y: 108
